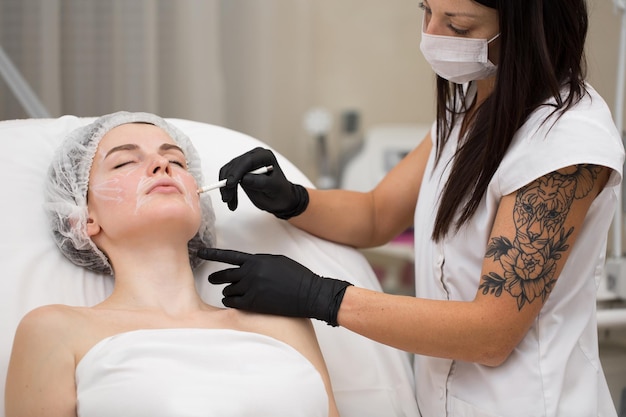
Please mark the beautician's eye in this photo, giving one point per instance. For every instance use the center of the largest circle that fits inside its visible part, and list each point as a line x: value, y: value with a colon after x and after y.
x: 458, y: 31
x: 426, y: 9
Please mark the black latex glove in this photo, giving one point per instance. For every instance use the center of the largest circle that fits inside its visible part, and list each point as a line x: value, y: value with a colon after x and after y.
x: 271, y: 192
x: 275, y: 284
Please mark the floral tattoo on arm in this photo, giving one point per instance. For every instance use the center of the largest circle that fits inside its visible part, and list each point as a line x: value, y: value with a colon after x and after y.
x: 541, y: 207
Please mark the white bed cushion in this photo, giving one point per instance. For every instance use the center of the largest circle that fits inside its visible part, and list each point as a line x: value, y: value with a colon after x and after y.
x: 369, y: 379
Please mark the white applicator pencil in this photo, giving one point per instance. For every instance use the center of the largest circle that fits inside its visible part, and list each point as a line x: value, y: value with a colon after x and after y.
x: 220, y: 184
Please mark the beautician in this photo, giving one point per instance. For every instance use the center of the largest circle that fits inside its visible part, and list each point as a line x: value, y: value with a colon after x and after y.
x: 511, y: 196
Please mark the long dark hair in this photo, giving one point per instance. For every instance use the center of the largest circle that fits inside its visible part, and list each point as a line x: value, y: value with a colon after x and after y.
x: 541, y: 52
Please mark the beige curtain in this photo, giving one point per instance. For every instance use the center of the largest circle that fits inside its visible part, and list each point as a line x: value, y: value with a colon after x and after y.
x: 243, y: 64
x: 269, y: 72
x: 90, y: 57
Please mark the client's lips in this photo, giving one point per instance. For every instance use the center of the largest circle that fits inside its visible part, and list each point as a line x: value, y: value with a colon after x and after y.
x: 164, y: 185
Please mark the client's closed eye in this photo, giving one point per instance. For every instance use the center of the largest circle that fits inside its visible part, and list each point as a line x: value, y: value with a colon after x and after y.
x: 179, y: 163
x: 120, y: 165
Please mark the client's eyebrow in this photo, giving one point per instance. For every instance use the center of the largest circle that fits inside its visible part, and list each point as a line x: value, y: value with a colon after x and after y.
x: 132, y: 147
x: 168, y: 146
x: 127, y: 147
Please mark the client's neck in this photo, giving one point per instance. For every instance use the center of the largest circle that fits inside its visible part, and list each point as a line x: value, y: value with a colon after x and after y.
x: 154, y: 278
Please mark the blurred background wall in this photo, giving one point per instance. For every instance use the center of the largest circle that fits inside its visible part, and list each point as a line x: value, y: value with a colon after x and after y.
x: 253, y: 66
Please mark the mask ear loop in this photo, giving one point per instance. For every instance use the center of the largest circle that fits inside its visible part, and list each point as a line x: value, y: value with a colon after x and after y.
x: 497, y: 35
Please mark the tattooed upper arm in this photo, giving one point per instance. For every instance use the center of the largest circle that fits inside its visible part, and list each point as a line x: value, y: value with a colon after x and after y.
x: 533, y: 233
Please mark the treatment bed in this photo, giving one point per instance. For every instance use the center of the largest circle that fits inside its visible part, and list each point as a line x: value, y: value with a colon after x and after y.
x: 369, y: 379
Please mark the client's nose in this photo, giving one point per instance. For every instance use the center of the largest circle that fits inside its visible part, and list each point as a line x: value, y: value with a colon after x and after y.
x: 160, y: 164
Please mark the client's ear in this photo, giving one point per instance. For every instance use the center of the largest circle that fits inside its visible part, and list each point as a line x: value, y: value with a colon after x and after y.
x: 93, y: 227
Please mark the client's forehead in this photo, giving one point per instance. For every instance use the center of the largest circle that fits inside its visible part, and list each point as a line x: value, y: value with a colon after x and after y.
x: 135, y: 133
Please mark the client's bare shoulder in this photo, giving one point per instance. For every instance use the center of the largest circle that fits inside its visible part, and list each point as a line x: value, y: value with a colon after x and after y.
x: 51, y: 321
x: 41, y: 369
x: 49, y: 334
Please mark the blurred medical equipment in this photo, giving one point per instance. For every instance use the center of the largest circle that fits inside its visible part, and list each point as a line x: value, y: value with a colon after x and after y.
x: 383, y: 147
x: 369, y: 379
x: 350, y: 139
x: 317, y: 123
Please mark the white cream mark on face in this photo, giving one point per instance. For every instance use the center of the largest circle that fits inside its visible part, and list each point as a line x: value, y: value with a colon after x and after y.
x: 191, y: 198
x: 142, y: 188
x: 111, y: 189
x: 101, y: 154
x: 108, y: 190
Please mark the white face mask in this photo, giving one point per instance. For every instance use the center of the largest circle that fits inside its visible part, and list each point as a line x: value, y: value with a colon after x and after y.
x: 458, y: 60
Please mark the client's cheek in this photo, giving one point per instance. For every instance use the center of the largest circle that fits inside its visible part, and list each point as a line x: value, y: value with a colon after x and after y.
x: 108, y: 190
x: 140, y: 195
x: 190, y: 191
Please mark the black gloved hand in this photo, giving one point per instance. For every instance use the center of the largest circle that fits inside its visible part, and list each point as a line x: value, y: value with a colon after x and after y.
x: 271, y: 192
x: 275, y: 284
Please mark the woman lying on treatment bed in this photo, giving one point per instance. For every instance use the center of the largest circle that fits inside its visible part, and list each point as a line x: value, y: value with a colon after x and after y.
x: 122, y: 200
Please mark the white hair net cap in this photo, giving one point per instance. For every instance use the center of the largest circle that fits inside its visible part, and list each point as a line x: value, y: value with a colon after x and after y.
x: 68, y: 180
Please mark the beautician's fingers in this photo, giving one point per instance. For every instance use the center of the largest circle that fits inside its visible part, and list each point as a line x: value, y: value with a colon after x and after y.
x: 238, y: 167
x: 237, y: 301
x: 229, y: 275
x: 255, y: 182
x: 237, y: 289
x: 226, y: 276
x: 226, y: 256
x: 229, y: 191
x: 229, y: 195
x: 234, y: 171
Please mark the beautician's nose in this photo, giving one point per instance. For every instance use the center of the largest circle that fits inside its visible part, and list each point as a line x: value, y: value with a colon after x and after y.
x: 160, y: 165
x: 433, y: 26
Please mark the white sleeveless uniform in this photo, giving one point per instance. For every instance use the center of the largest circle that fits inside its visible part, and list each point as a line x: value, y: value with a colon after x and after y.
x: 197, y: 372
x: 555, y: 370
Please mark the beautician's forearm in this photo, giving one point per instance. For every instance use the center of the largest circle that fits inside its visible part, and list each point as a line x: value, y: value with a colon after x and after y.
x: 352, y: 218
x: 446, y: 329
x: 338, y: 215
